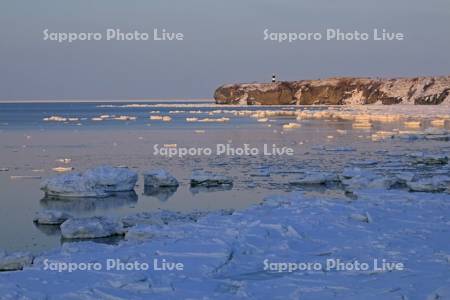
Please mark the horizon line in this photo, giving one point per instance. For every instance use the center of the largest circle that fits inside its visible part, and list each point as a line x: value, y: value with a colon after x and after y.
x: 103, y: 100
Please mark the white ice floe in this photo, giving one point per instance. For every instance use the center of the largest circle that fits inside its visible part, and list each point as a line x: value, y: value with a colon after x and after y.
x: 55, y: 119
x: 413, y: 124
x: 213, y: 120
x: 64, y: 160
x: 91, y: 228
x: 97, y: 182
x: 62, y: 169
x: 51, y: 217
x: 14, y: 177
x: 357, y: 179
x: 125, y: 118
x: 291, y: 126
x: 438, y: 183
x: 14, y: 261
x: 362, y: 125
x: 438, y: 122
x: 159, y: 178
x: 209, y: 179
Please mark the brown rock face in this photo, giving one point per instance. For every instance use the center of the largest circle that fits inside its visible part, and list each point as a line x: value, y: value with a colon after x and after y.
x: 339, y: 91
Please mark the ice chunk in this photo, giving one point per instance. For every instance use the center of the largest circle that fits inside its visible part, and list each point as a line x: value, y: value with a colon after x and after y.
x: 438, y: 183
x: 208, y: 179
x: 96, y: 182
x: 361, y: 217
x: 71, y: 185
x: 15, y: 261
x: 62, y: 169
x: 413, y: 124
x: 160, y: 178
x: 112, y: 179
x: 50, y: 217
x: 91, y: 228
x: 291, y: 126
x: 357, y: 179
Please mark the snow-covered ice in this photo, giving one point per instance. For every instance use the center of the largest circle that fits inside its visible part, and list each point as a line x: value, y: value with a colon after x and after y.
x: 437, y: 183
x: 160, y: 178
x: 97, y: 182
x: 224, y: 256
x: 14, y: 261
x: 91, y: 228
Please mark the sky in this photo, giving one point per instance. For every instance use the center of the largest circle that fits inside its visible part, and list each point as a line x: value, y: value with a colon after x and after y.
x: 223, y: 43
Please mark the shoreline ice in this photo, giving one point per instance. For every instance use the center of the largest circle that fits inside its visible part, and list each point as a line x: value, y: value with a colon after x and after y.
x: 223, y: 254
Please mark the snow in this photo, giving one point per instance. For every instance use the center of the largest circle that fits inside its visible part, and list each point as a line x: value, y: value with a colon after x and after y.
x: 223, y: 255
x: 97, y: 182
x: 91, y: 228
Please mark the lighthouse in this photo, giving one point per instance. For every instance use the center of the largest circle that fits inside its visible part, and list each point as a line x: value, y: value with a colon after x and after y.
x: 274, y: 78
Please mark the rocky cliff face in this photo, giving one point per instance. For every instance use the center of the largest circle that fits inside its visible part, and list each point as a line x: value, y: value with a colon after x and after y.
x: 339, y: 91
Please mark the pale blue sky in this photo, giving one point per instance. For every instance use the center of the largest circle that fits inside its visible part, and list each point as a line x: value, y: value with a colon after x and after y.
x: 223, y: 44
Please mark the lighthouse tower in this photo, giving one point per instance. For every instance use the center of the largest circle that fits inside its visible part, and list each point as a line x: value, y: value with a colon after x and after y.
x: 274, y: 78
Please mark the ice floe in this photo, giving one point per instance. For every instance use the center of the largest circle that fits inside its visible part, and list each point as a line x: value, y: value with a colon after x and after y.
x: 291, y: 126
x: 62, y: 169
x: 354, y: 178
x: 14, y: 261
x: 97, y: 182
x: 91, y: 228
x: 159, y: 178
x: 209, y: 179
x: 51, y: 217
x: 438, y: 183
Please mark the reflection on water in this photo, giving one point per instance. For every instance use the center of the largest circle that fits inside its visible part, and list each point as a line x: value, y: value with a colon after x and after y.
x: 161, y: 193
x: 89, y: 204
x: 204, y: 189
x: 110, y: 240
x: 49, y: 230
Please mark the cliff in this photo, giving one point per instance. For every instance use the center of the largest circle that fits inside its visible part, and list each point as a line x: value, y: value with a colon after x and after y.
x: 339, y: 91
